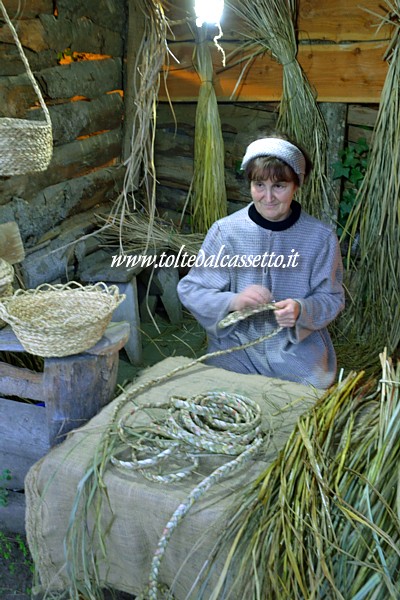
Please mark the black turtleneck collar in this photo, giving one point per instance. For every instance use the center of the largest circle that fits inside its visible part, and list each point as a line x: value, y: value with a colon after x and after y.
x: 276, y: 225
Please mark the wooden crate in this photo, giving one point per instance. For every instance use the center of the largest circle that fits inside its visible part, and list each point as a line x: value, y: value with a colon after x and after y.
x: 71, y: 390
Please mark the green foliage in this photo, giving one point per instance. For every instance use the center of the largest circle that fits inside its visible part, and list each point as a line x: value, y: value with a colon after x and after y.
x: 351, y: 168
x: 15, y: 554
x: 4, y: 476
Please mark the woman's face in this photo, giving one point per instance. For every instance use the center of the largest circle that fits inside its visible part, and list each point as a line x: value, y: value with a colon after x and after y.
x: 272, y: 199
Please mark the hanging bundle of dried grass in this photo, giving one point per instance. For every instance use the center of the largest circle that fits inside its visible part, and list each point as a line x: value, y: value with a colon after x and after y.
x: 375, y: 308
x: 323, y: 520
x: 270, y: 26
x: 140, y: 169
x: 208, y: 191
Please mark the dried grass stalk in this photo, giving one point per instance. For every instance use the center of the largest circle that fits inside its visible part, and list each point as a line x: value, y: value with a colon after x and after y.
x: 208, y: 191
x: 375, y: 309
x: 323, y: 520
x: 165, y: 236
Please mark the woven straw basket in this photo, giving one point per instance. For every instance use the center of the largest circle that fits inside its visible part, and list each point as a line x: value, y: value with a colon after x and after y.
x: 60, y: 320
x: 6, y: 273
x: 6, y: 281
x: 25, y: 146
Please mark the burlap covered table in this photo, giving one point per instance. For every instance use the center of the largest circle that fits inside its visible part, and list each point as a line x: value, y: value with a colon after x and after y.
x: 138, y: 510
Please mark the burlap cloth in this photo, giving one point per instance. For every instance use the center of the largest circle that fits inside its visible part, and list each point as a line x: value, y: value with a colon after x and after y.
x: 140, y: 509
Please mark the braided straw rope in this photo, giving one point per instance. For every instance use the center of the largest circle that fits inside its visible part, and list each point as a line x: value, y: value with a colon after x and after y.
x: 25, y: 146
x: 214, y: 422
x: 240, y: 315
x: 118, y: 436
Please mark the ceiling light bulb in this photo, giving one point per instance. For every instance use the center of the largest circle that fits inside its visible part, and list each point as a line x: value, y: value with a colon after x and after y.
x: 208, y: 11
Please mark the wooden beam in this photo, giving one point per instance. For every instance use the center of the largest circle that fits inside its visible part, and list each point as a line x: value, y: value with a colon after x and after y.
x: 28, y: 9
x: 69, y: 161
x: 362, y: 115
x: 89, y: 78
x: 31, y: 34
x: 21, y: 382
x: 23, y: 432
x: 353, y: 72
x: 338, y: 21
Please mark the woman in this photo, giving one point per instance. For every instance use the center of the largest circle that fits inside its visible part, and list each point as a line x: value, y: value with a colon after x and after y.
x: 270, y: 251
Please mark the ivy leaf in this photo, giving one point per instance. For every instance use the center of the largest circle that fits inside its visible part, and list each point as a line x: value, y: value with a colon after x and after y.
x: 339, y: 170
x: 361, y: 145
x: 350, y: 159
x: 356, y: 175
x: 349, y: 196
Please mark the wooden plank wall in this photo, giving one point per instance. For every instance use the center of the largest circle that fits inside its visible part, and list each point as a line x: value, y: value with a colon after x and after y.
x: 341, y: 50
x: 86, y: 107
x: 241, y: 123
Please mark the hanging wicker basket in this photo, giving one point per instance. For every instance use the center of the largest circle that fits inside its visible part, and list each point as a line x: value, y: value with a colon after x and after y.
x: 25, y: 146
x: 60, y: 320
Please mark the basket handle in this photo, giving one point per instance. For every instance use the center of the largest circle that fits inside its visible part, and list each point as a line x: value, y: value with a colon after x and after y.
x: 26, y: 63
x: 4, y: 314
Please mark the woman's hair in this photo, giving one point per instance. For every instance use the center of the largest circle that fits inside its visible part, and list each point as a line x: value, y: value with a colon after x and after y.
x: 262, y: 168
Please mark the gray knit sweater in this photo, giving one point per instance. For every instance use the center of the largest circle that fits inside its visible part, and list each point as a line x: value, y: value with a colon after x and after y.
x: 306, y: 266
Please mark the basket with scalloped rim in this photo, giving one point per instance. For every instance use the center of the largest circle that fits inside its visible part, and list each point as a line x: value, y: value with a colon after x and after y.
x: 6, y: 283
x: 62, y: 319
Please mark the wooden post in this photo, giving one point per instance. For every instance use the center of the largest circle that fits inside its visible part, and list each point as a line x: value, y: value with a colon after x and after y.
x: 73, y: 388
x: 77, y: 388
x: 335, y: 114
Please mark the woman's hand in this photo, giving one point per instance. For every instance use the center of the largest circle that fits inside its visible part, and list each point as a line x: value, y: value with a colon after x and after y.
x: 251, y: 296
x: 287, y: 312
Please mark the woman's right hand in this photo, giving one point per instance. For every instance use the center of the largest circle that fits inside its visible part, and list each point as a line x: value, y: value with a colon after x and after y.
x: 253, y: 295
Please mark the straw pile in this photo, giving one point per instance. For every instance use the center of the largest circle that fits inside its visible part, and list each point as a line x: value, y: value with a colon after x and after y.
x: 165, y: 236
x: 269, y: 25
x: 323, y: 521
x: 375, y: 309
x: 208, y: 191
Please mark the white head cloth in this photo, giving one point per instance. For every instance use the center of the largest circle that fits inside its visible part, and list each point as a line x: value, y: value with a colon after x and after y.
x: 281, y: 149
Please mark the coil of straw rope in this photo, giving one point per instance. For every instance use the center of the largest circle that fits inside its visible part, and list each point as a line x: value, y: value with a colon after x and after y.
x: 241, y: 433
x: 213, y: 422
x: 209, y: 423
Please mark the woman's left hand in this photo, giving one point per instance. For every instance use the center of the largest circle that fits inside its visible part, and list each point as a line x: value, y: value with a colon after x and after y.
x: 287, y: 312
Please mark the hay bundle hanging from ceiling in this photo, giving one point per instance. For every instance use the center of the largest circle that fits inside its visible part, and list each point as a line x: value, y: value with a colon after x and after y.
x: 374, y: 312
x: 140, y: 171
x: 208, y: 191
x: 270, y: 26
x: 323, y: 519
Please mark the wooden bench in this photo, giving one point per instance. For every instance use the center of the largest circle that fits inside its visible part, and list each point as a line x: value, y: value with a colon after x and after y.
x: 70, y: 390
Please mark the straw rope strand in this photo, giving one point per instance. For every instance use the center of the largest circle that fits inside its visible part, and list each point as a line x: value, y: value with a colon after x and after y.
x: 117, y: 437
x: 216, y: 423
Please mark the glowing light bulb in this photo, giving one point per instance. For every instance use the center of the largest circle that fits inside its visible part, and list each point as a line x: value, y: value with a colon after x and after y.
x: 208, y: 11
